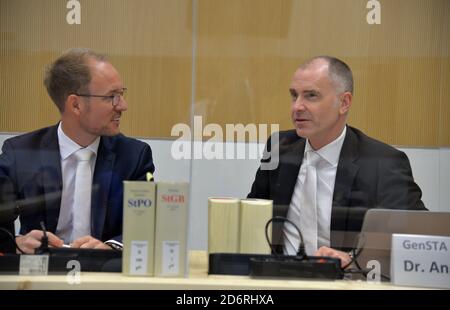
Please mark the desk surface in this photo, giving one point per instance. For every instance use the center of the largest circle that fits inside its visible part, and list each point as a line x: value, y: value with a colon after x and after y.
x: 198, y: 280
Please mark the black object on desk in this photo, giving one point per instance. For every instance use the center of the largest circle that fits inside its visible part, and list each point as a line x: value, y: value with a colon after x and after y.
x: 93, y: 260
x: 313, y: 267
x: 274, y: 266
x: 232, y: 263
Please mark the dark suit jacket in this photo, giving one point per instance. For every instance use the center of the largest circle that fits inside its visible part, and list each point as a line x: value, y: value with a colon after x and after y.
x: 30, y: 176
x: 370, y: 174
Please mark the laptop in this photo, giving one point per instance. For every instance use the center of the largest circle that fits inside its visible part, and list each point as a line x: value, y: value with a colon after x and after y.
x: 379, y: 225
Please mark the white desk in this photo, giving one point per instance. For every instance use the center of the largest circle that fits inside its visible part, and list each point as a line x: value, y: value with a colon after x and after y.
x: 198, y: 280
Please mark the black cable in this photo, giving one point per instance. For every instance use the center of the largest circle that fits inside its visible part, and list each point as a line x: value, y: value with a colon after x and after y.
x: 356, y: 252
x: 365, y: 272
x: 267, y: 237
x: 10, y: 235
x: 301, y: 249
x: 354, y: 256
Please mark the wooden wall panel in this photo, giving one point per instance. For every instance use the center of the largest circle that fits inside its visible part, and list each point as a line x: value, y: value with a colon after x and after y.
x: 246, y: 53
x: 149, y: 41
x: 23, y: 104
x: 444, y: 128
x: 243, y: 74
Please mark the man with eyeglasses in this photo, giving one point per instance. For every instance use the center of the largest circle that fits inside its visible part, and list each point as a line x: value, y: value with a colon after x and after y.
x: 38, y: 170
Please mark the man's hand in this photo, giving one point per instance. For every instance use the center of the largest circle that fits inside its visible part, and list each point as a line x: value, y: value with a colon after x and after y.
x: 326, y: 251
x: 89, y: 242
x: 31, y: 241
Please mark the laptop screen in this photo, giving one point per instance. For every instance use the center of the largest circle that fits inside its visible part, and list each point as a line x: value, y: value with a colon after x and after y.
x: 379, y: 225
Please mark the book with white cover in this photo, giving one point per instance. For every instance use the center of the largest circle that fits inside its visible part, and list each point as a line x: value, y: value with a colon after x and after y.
x: 223, y: 225
x: 254, y: 214
x: 138, y: 228
x: 171, y: 229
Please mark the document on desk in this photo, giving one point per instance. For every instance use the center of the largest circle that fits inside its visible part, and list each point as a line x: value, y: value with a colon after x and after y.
x: 138, y: 228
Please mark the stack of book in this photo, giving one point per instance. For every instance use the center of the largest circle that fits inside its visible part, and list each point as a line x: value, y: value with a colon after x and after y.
x: 238, y: 226
x: 155, y: 228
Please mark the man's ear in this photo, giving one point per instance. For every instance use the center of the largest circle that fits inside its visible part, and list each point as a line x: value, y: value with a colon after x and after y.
x: 346, y: 102
x: 73, y: 104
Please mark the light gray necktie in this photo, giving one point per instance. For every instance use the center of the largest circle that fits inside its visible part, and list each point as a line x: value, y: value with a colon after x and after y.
x: 304, y: 213
x: 308, y: 204
x: 82, y: 195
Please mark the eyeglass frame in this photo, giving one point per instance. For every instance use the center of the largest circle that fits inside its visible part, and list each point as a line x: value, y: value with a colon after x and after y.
x: 112, y: 97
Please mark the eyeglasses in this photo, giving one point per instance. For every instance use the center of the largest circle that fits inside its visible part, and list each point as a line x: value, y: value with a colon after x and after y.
x: 115, y: 99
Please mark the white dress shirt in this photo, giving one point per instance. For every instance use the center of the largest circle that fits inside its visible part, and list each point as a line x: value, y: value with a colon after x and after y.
x: 67, y: 148
x: 326, y: 177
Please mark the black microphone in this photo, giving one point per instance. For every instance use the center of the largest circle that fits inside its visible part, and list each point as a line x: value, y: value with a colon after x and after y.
x: 43, y: 248
x: 10, y: 210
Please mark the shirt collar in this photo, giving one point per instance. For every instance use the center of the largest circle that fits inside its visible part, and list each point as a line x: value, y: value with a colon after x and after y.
x: 332, y: 150
x: 67, y: 146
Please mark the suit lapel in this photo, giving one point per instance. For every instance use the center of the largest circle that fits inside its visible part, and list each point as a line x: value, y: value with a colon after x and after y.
x: 346, y: 170
x: 100, y: 186
x: 345, y: 176
x: 290, y: 161
x: 51, y: 176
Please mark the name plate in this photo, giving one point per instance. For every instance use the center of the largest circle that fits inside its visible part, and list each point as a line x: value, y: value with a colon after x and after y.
x: 33, y: 265
x: 419, y: 260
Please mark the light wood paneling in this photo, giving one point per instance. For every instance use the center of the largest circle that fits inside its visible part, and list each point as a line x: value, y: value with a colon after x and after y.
x: 149, y: 41
x: 444, y: 124
x: 243, y: 74
x: 246, y: 53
